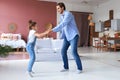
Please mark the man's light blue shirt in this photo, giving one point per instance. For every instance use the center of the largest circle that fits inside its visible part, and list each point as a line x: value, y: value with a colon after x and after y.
x: 67, y: 27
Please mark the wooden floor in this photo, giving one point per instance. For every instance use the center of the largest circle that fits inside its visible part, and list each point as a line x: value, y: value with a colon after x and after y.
x: 16, y: 56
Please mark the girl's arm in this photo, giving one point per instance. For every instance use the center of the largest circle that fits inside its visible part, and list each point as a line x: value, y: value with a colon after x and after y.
x: 40, y: 35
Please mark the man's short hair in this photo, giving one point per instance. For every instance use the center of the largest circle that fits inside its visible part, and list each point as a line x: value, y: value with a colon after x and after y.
x: 61, y: 4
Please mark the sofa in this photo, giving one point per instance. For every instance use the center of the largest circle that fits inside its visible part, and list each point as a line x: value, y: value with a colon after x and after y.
x: 49, y: 49
x: 13, y: 40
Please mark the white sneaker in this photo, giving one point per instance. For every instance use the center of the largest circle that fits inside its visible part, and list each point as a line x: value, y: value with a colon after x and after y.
x: 64, y: 70
x: 79, y: 71
x: 30, y: 74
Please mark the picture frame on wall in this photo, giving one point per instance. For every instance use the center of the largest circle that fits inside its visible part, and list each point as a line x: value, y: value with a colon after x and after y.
x: 12, y: 27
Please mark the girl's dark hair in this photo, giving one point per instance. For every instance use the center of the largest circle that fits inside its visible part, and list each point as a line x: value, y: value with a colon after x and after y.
x: 62, y: 5
x: 30, y: 21
x: 32, y: 25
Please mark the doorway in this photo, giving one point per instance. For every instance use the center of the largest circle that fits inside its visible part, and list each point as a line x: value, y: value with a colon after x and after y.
x: 83, y: 27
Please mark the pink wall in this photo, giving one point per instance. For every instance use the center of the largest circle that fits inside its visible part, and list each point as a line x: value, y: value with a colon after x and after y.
x: 21, y: 11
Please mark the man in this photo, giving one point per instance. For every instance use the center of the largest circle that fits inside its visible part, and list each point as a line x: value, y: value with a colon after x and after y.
x: 69, y: 34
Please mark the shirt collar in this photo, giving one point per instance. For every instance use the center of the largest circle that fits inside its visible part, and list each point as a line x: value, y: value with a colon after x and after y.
x: 63, y: 13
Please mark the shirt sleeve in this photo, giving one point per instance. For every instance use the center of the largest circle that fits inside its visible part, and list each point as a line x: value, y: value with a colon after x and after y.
x: 67, y: 18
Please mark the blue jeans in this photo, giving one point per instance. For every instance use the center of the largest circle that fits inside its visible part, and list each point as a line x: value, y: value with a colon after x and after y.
x: 73, y: 44
x: 30, y: 50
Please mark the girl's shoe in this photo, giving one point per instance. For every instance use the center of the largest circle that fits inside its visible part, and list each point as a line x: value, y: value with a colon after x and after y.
x: 30, y: 74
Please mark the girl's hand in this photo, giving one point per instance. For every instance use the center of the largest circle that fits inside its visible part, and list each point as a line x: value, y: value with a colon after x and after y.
x: 48, y: 31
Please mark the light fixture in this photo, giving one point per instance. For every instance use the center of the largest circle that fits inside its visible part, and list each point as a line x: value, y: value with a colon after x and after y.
x: 90, y: 17
x: 91, y: 23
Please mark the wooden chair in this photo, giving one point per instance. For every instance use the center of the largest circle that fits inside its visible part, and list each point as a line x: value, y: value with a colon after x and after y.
x: 98, y: 43
x: 115, y: 47
x: 104, y: 44
x: 116, y: 44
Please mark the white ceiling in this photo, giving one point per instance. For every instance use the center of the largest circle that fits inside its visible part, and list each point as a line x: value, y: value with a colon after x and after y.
x: 85, y: 2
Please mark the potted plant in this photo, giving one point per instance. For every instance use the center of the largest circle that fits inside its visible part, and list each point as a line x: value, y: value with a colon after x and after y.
x: 4, y: 50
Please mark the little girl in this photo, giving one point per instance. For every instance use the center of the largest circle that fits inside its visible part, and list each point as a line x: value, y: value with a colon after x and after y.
x: 33, y: 34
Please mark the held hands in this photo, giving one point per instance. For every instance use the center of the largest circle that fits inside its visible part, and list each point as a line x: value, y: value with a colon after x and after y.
x: 44, y: 34
x: 48, y: 31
